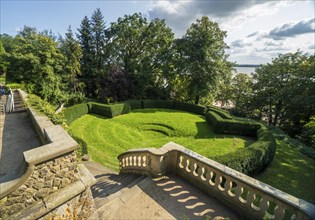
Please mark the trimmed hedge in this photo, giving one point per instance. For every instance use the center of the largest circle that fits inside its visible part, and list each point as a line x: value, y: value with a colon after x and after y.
x: 255, y: 158
x: 188, y: 107
x: 134, y: 104
x: 109, y: 111
x: 74, y: 112
x: 223, y: 114
x: 157, y: 104
x: 228, y: 126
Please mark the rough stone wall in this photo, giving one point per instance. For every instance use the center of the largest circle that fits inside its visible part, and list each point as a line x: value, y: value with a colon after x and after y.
x: 46, y: 179
x: 80, y: 207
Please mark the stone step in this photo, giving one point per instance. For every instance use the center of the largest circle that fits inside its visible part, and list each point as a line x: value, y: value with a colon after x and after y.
x: 113, y: 202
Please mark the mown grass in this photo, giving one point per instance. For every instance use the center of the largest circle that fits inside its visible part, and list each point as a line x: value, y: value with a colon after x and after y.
x: 2, y: 79
x: 290, y: 171
x: 104, y: 139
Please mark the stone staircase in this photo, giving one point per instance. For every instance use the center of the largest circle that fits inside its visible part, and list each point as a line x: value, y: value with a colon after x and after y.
x: 18, y: 103
x: 130, y: 196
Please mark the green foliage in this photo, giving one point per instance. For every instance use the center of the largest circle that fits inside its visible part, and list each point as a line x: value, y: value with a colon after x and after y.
x: 189, y: 107
x: 43, y: 107
x: 308, y: 133
x: 158, y: 104
x: 106, y: 137
x: 72, y: 66
x: 74, y: 112
x: 36, y: 60
x: 284, y: 91
x: 223, y: 114
x: 142, y: 49
x: 109, y: 111
x: 203, y: 57
x: 290, y: 170
x: 134, y: 104
x: 231, y: 126
x: 254, y: 158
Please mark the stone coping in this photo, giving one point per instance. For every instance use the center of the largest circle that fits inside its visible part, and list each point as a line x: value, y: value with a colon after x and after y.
x: 58, y: 198
x: 56, y: 142
x: 170, y: 147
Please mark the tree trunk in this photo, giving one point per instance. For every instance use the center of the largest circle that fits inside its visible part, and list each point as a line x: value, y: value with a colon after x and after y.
x: 197, y: 99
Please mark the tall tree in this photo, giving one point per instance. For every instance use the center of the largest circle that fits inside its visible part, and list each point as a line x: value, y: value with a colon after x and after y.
x: 98, y: 42
x: 285, y: 90
x: 141, y: 49
x: 73, y: 53
x: 3, y: 62
x: 37, y: 61
x: 204, y: 58
x: 85, y: 39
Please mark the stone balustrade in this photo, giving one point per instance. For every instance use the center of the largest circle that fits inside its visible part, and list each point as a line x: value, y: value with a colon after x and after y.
x: 250, y: 197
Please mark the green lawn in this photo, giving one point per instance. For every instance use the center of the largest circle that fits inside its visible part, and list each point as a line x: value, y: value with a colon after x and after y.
x: 2, y: 79
x: 291, y: 171
x: 104, y: 139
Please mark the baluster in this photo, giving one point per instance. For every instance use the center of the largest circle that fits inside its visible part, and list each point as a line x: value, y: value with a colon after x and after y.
x: 222, y: 181
x: 227, y: 186
x: 217, y: 181
x: 250, y: 199
x: 263, y: 206
x: 212, y: 178
x: 187, y: 168
x: 279, y: 212
x: 130, y: 160
x: 256, y: 202
x: 139, y: 161
x: 232, y: 189
x: 203, y: 173
x: 239, y: 193
x: 134, y: 161
x: 144, y: 161
x: 181, y: 159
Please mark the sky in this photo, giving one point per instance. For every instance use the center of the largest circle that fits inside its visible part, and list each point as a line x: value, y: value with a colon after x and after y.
x: 257, y: 30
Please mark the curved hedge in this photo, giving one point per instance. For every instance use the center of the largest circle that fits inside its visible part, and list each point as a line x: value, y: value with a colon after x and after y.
x: 74, y: 112
x: 250, y: 160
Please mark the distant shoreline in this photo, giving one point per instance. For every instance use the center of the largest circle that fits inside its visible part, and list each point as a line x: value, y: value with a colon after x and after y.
x: 247, y: 65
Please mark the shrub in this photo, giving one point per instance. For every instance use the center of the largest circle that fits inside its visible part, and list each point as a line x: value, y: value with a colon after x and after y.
x: 231, y: 126
x: 109, y: 111
x: 223, y: 114
x: 134, y: 104
x: 254, y: 158
x: 188, y: 107
x: 44, y: 107
x: 158, y: 104
x: 74, y: 112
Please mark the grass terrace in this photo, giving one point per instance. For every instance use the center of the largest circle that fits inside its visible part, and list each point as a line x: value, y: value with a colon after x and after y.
x: 106, y: 137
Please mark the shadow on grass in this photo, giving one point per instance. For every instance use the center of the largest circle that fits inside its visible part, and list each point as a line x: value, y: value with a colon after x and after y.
x: 291, y: 172
x: 83, y: 145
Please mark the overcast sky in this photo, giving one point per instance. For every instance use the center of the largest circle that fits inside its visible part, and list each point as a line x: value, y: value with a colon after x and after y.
x: 257, y: 30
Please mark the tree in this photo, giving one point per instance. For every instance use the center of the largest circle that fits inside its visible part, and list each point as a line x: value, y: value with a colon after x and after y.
x: 36, y: 61
x: 141, y: 49
x: 284, y: 91
x: 241, y: 90
x: 85, y: 39
x: 72, y: 67
x: 3, y: 63
x: 204, y: 59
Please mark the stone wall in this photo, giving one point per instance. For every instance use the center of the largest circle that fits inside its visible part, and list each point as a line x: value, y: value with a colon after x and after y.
x: 80, y: 207
x: 51, y: 184
x: 47, y: 178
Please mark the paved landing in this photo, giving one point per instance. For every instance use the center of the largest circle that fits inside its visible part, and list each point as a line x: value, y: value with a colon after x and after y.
x: 168, y: 197
x: 17, y: 135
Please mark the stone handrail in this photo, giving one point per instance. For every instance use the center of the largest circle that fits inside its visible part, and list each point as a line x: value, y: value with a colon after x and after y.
x: 247, y: 195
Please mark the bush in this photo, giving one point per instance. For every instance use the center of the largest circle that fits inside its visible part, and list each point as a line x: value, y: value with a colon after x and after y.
x: 158, y: 104
x: 188, y: 107
x: 134, y: 104
x: 74, y: 112
x: 254, y: 158
x: 231, y: 126
x: 223, y: 114
x: 109, y: 111
x: 45, y: 108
